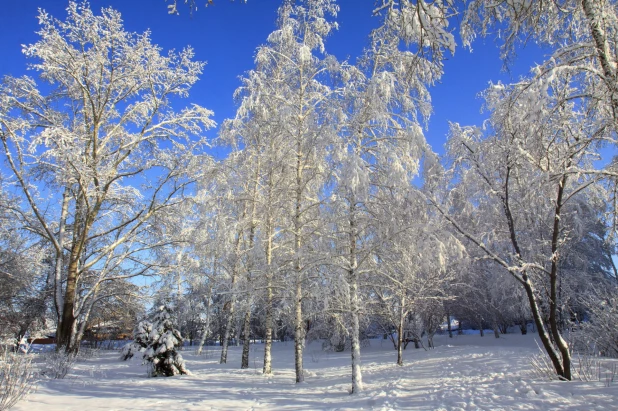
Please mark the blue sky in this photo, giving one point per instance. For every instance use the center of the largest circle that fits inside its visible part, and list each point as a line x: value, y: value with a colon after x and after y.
x: 227, y: 33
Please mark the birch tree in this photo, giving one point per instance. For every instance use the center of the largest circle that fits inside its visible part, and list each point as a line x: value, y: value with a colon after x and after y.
x: 209, y: 246
x: 416, y: 266
x: 294, y: 72
x: 582, y: 32
x: 249, y: 133
x: 257, y: 137
x: 527, y: 172
x: 380, y: 146
x: 105, y: 144
x: 231, y: 213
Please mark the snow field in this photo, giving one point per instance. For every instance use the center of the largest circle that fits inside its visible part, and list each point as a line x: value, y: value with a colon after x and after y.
x: 464, y: 373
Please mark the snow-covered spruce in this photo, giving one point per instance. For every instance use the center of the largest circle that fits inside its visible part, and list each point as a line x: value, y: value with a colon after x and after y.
x: 141, y: 340
x: 161, y: 354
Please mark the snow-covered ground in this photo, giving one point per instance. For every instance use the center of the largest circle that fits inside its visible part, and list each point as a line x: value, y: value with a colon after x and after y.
x: 466, y: 372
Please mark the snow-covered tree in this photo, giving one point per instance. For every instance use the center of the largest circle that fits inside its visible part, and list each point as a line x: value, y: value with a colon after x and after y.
x: 525, y: 173
x: 287, y: 119
x: 290, y: 87
x: 93, y: 144
x: 25, y: 268
x: 415, y: 267
x: 422, y: 23
x: 384, y: 100
x: 234, y: 215
x: 487, y: 299
x: 141, y: 340
x: 163, y: 341
x: 582, y: 32
x: 209, y: 247
x: 602, y: 307
x: 249, y: 136
x: 114, y: 306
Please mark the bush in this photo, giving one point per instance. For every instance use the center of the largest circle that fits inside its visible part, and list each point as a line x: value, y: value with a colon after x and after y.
x: 87, y: 353
x: 17, y: 377
x: 58, y: 364
x: 585, y: 366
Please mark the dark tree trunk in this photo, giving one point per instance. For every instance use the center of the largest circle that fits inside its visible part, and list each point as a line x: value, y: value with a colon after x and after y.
x: 67, y: 322
x: 400, y: 329
x: 523, y: 326
x: 246, y: 339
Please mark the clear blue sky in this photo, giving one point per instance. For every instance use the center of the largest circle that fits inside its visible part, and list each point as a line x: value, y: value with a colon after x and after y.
x: 227, y: 33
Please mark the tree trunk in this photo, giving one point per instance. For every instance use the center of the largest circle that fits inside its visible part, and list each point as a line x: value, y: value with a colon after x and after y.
x: 561, y: 366
x: 298, y: 333
x: 227, y: 332
x: 268, y: 337
x: 543, y: 335
x: 604, y: 54
x: 67, y: 328
x: 231, y: 302
x: 400, y: 331
x: 74, y: 343
x: 523, y: 326
x: 58, y: 295
x: 562, y: 345
x: 267, y: 370
x: 269, y: 308
x: 448, y: 325
x: 246, y: 338
x: 357, y: 378
x: 247, y: 322
x: 207, y: 325
x: 67, y: 323
x: 430, y: 341
x: 299, y: 337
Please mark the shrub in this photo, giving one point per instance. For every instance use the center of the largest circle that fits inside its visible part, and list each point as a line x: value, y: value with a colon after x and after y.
x: 17, y: 377
x: 58, y: 364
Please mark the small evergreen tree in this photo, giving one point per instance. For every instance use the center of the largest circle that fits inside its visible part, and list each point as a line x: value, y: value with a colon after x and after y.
x: 141, y: 340
x: 163, y: 340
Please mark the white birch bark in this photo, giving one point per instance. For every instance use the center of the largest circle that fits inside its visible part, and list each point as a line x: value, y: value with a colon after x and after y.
x: 267, y: 370
x: 206, y: 331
